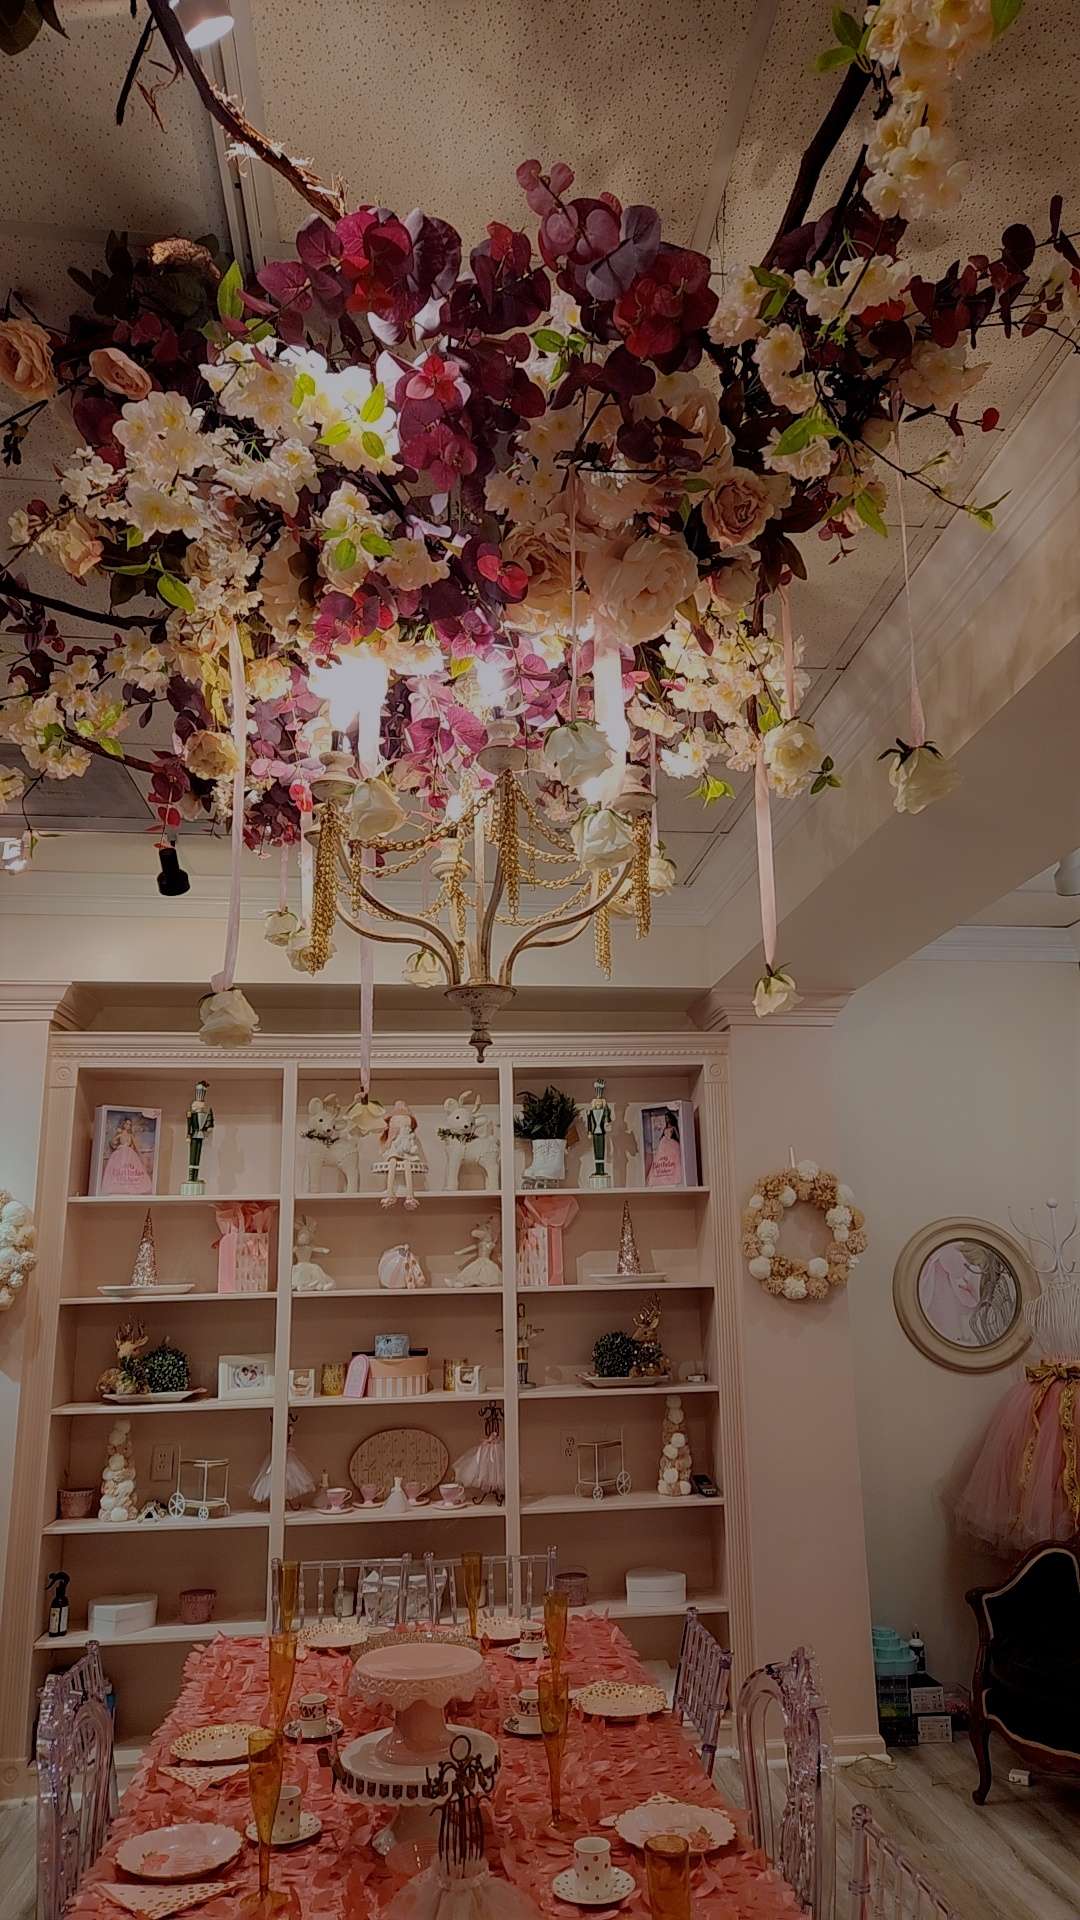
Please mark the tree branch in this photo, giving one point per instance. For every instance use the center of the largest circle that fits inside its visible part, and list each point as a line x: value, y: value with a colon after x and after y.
x: 848, y: 95
x: 330, y: 202
x: 14, y: 591
x: 130, y: 760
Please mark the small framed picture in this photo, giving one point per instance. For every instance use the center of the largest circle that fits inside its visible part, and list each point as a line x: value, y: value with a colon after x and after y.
x: 245, y: 1376
x: 124, y: 1156
x: 301, y: 1383
x: 959, y: 1288
x: 665, y: 1133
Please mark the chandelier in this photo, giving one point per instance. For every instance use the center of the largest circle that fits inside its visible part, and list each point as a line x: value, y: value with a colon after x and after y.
x: 492, y: 851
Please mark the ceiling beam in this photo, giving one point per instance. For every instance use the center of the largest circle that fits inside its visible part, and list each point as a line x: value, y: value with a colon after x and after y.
x: 729, y: 134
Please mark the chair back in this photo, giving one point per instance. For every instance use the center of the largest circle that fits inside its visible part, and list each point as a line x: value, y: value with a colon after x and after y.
x: 702, y: 1684
x: 799, y: 1836
x: 514, y: 1584
x: 884, y: 1885
x: 377, y: 1590
x: 76, y: 1779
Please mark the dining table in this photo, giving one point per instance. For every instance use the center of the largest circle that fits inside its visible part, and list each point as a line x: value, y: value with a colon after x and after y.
x: 609, y: 1767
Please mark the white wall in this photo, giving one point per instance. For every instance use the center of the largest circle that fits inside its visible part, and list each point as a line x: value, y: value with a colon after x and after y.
x: 955, y: 1094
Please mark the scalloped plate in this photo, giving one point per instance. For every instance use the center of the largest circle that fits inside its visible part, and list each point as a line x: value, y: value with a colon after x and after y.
x: 187, y: 1851
x: 706, y: 1828
x: 616, y: 1700
x: 228, y: 1740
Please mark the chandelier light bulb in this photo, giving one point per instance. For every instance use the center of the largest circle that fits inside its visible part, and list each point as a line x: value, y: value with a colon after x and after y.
x: 204, y: 22
x: 354, y: 689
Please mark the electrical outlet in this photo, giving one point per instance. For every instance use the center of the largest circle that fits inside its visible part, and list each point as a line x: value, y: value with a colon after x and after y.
x: 163, y: 1464
x: 569, y: 1445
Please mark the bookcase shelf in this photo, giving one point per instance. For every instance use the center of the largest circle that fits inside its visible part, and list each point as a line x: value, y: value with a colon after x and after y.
x: 259, y: 1100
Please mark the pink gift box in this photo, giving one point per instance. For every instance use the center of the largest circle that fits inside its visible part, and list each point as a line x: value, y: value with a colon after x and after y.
x: 243, y: 1248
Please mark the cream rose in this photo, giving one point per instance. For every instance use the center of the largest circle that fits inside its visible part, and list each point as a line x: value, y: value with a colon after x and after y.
x: 269, y: 679
x: 732, y: 583
x: 543, y: 549
x: 774, y: 991
x: 919, y: 778
x: 736, y: 510
x: 637, y: 583
x: 209, y: 755
x: 26, y: 362
x: 792, y: 757
x: 71, y: 544
x: 375, y: 810
x: 423, y: 969
x: 119, y: 373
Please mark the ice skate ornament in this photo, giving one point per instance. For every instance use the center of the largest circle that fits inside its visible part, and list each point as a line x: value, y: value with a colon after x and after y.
x: 402, y: 1157
x: 468, y: 1138
x: 331, y: 1137
x: 480, y: 1270
x: 307, y: 1275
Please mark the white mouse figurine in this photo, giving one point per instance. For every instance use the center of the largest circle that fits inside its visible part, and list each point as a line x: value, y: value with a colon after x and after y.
x: 307, y: 1275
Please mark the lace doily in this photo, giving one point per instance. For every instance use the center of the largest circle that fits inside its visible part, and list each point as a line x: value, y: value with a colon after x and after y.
x: 432, y: 1671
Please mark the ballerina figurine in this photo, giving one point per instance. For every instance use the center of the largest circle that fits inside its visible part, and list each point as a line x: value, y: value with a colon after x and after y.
x: 307, y: 1275
x: 401, y: 1154
x: 480, y: 1270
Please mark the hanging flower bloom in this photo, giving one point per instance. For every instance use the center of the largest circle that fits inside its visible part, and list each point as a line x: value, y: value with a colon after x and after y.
x: 602, y: 838
x: 209, y: 755
x: 423, y: 969
x: 736, y: 510
x: 918, y: 776
x: 26, y: 362
x: 577, y: 752
x: 118, y: 373
x: 774, y: 991
x: 792, y: 757
x: 639, y: 582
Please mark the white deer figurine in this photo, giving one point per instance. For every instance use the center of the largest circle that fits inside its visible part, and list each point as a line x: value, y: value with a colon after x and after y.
x: 469, y: 1140
x: 330, y: 1139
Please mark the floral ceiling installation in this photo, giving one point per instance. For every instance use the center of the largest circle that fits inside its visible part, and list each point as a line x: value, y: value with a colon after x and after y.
x: 554, y: 492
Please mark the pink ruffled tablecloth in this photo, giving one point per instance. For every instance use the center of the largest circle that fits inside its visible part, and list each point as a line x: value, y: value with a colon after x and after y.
x: 608, y: 1767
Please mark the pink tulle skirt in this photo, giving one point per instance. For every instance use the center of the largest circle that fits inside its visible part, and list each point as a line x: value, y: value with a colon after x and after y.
x: 994, y: 1505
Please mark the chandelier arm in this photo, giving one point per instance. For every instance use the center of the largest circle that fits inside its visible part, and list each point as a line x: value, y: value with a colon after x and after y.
x: 565, y: 938
x: 487, y: 928
x: 389, y: 939
x: 532, y: 936
x: 428, y: 933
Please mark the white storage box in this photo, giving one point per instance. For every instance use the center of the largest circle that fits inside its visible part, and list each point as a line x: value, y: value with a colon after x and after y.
x: 118, y: 1613
x: 655, y: 1587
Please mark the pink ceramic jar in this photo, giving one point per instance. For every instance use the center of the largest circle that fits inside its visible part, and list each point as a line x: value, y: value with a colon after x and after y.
x: 197, y: 1605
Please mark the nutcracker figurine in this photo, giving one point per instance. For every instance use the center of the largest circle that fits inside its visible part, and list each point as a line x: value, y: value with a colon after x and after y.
x: 598, y: 1120
x: 200, y: 1125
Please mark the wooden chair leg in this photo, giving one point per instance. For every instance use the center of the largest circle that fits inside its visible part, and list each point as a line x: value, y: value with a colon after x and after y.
x: 979, y: 1734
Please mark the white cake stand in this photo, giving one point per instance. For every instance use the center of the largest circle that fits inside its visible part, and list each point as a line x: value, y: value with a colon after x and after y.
x: 417, y: 1677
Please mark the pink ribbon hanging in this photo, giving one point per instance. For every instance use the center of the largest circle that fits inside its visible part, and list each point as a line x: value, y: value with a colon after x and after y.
x: 283, y: 878
x: 307, y: 875
x: 766, y: 873
x: 221, y: 982
x: 572, y: 491
x: 367, y: 989
x: 789, y: 652
x: 918, y: 716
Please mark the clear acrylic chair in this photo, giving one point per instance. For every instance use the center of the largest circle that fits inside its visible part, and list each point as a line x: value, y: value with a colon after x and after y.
x: 885, y: 1885
x: 514, y: 1584
x: 76, y: 1779
x: 377, y: 1590
x: 702, y: 1692
x: 798, y: 1837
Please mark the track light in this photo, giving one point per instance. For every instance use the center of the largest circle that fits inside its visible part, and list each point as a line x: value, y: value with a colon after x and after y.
x: 172, y: 881
x: 204, y: 22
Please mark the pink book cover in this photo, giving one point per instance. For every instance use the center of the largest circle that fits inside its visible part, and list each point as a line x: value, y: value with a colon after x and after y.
x: 124, y: 1156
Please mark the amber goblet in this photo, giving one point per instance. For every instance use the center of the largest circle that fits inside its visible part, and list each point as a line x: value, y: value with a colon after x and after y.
x: 667, y: 1869
x: 472, y: 1580
x: 266, y: 1753
x: 553, y: 1690
x: 556, y: 1609
x: 282, y: 1669
x: 289, y: 1595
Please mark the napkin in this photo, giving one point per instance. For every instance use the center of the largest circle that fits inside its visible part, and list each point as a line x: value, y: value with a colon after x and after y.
x: 209, y: 1776
x: 156, y: 1902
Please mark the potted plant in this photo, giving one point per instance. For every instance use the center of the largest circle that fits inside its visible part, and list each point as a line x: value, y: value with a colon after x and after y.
x: 545, y: 1121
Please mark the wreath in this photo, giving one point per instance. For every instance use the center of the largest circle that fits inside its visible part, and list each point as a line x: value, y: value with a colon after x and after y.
x: 17, y: 1255
x: 765, y: 1209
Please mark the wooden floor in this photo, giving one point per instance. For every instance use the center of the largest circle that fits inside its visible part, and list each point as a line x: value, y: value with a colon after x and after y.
x: 1017, y: 1858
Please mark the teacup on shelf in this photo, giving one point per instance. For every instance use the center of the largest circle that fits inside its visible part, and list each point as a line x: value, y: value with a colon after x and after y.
x: 452, y: 1494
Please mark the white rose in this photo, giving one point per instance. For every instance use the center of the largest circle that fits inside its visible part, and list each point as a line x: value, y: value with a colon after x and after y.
x: 795, y: 1287
x: 792, y: 757
x: 374, y: 810
x: 279, y: 925
x: 227, y: 1019
x: 774, y: 991
x: 760, y: 1268
x: 919, y: 778
x: 663, y: 872
x: 678, y: 1441
x: 818, y: 1269
x: 423, y: 969
x: 670, y: 1476
x: 838, y: 1217
x: 602, y: 838
x: 577, y: 752
x: 840, y: 1235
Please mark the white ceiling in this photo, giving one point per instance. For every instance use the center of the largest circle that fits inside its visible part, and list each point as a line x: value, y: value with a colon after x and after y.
x: 701, y: 107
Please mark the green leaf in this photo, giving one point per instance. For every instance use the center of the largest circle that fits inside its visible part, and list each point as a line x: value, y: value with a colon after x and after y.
x: 135, y: 568
x: 546, y: 340
x: 765, y: 277
x: 175, y: 593
x: 303, y: 387
x: 111, y: 745
x: 345, y: 555
x: 773, y: 305
x: 834, y: 57
x: 375, y: 404
x: 333, y: 436
x: 768, y: 717
x: 376, y: 544
x: 459, y: 666
x: 812, y: 425
x: 1003, y: 13
x: 984, y: 517
x: 258, y: 330
x: 373, y: 444
x: 711, y: 789
x: 870, y: 513
x: 230, y: 303
x: 52, y: 733
x: 133, y: 538
x: 846, y: 28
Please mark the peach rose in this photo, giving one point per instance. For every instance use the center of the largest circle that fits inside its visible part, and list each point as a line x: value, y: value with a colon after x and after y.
x: 119, y: 373
x: 544, y: 552
x: 637, y: 583
x: 72, y: 545
x: 210, y: 755
x: 732, y: 582
x: 26, y: 362
x: 737, y: 509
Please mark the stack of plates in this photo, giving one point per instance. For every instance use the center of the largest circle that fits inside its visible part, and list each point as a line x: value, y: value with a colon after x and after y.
x: 655, y: 1587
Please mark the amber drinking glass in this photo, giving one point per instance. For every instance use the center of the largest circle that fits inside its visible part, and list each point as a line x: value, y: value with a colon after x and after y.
x: 554, y: 1702
x: 290, y: 1594
x: 472, y: 1579
x: 265, y: 1760
x: 282, y: 1668
x: 667, y: 1867
x: 556, y: 1606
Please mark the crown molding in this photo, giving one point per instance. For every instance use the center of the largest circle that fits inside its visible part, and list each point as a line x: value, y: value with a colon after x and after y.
x: 1037, y: 946
x: 65, y: 1006
x: 721, y: 1010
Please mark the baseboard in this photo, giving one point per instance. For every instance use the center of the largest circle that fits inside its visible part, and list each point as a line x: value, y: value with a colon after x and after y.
x: 849, y: 1747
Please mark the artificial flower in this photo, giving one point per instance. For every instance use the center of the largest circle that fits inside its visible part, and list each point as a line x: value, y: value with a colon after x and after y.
x: 663, y: 872
x: 602, y: 839
x: 736, y: 510
x: 737, y: 316
x: 374, y: 810
x: 543, y: 549
x: 793, y: 755
x: 939, y: 376
x: 12, y: 784
x: 279, y: 926
x: 26, y: 361
x: 637, y: 582
x: 423, y: 968
x: 119, y: 373
x: 919, y: 776
x: 732, y: 582
x: 71, y: 543
x: 269, y: 678
x: 227, y: 1019
x: 811, y: 462
x: 774, y: 991
x: 210, y: 755
x: 577, y: 752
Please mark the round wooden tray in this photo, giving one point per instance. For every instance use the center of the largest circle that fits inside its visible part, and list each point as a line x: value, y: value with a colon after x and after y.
x: 408, y: 1453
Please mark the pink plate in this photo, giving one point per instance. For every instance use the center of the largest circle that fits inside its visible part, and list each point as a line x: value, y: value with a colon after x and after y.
x: 186, y: 1852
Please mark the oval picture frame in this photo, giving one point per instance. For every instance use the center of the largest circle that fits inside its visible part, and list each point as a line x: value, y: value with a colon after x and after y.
x: 960, y: 1287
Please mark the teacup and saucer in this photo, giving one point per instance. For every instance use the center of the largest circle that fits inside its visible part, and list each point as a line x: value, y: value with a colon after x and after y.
x: 593, y: 1880
x: 524, y: 1715
x: 292, y: 1822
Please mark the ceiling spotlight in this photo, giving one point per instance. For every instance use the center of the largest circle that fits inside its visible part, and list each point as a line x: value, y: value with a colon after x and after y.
x: 172, y: 881
x: 204, y: 22
x: 1067, y: 875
